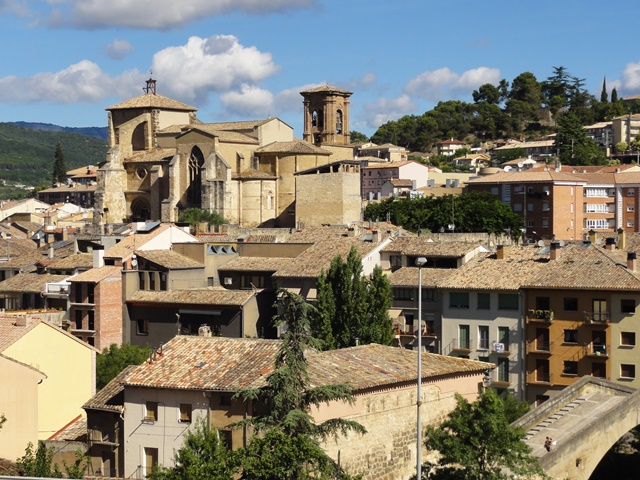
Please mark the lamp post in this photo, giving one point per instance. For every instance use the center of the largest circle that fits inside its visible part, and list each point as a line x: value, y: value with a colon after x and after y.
x: 420, y: 262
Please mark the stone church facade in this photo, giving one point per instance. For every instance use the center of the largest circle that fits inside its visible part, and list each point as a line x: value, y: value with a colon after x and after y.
x: 162, y: 160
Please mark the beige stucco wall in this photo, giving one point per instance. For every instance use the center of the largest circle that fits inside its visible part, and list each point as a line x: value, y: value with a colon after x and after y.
x: 19, y: 404
x: 624, y: 354
x: 388, y: 450
x: 166, y: 433
x: 70, y: 368
x: 274, y: 131
x: 168, y: 118
x: 332, y: 198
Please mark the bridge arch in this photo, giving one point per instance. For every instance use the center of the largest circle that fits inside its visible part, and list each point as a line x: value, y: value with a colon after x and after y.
x: 586, y: 419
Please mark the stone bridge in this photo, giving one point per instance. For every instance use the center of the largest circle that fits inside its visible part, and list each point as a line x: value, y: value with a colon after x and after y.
x: 585, y: 420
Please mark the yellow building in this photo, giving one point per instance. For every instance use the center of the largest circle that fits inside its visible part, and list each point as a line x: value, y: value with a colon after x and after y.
x: 67, y: 362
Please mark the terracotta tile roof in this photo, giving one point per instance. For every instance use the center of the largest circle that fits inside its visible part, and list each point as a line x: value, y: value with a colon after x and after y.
x: 74, y: 431
x: 431, y: 277
x: 10, y: 331
x: 398, y: 182
x: 129, y: 244
x: 195, y: 296
x: 314, y: 234
x: 242, y: 125
x: 226, y: 136
x: 95, y: 275
x: 29, y: 282
x: 318, y: 257
x: 155, y: 155
x: 227, y: 364
x: 427, y: 247
x: 255, y: 264
x: 327, y: 89
x: 486, y: 272
x: 251, y: 173
x: 168, y: 259
x: 207, y: 363
x: 371, y: 366
x: 111, y: 397
x: 296, y: 146
x: 78, y: 260
x: 70, y: 189
x: 151, y: 100
x: 627, y: 178
x: 583, y: 267
x: 528, y: 176
x: 15, y: 247
x: 31, y: 258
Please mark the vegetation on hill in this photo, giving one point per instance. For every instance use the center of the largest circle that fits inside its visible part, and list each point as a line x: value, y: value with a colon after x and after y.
x: 97, y: 132
x: 27, y: 156
x: 524, y: 108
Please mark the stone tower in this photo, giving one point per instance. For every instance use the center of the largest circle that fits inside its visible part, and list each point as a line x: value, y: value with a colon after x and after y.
x: 326, y: 116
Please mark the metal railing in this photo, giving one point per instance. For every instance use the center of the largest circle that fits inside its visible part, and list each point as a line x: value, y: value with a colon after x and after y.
x: 596, y: 317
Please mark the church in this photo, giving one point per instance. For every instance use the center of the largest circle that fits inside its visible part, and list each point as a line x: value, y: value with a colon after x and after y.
x: 163, y: 160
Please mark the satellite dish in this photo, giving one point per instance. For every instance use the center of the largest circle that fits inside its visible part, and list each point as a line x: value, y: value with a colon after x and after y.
x: 540, y: 243
x: 520, y: 164
x: 134, y: 263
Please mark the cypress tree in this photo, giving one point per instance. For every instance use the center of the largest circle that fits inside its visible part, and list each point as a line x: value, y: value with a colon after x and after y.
x: 59, y: 167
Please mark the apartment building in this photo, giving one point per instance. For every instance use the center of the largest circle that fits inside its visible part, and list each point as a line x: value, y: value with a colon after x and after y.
x: 376, y: 175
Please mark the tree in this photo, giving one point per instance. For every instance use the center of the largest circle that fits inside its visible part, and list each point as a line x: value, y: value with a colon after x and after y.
x: 59, y: 169
x: 487, y: 93
x: 193, y: 216
x: 357, y: 137
x: 477, y: 442
x: 115, y: 359
x: 614, y: 95
x: 604, y: 96
x: 202, y: 456
x: 286, y: 444
x: 574, y: 145
x: 350, y: 306
x: 38, y: 463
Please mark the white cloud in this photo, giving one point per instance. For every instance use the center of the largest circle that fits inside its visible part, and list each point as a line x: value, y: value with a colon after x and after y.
x: 630, y: 81
x: 384, y: 110
x: 443, y: 84
x: 215, y: 64
x: 118, y: 49
x: 290, y: 99
x: 159, y: 14
x: 81, y: 82
x: 250, y: 101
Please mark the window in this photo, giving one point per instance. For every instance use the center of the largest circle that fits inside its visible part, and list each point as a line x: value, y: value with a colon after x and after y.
x: 428, y: 294
x: 570, y: 336
x: 484, y: 301
x: 150, y: 459
x: 503, y: 369
x: 627, y: 339
x: 627, y: 370
x: 508, y: 301
x: 530, y: 223
x: 494, y: 190
x: 517, y: 207
x: 629, y: 192
x: 595, y: 192
x: 225, y: 400
x: 596, y: 208
x: 545, y: 206
x: 459, y: 299
x: 463, y: 341
x: 630, y: 223
x: 570, y: 304
x: 91, y: 320
x: 503, y: 337
x: 529, y: 207
x: 142, y: 326
x: 403, y: 293
x: 483, y: 337
x: 628, y: 306
x: 596, y: 223
x: 599, y: 370
x: 151, y: 412
x: 631, y: 207
x: 141, y: 278
x: 545, y: 222
x: 78, y: 319
x: 542, y: 303
x: 185, y: 412
x: 570, y: 368
x: 226, y: 438
x: 90, y: 289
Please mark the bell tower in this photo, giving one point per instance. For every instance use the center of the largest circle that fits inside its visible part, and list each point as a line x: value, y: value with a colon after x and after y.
x: 326, y: 116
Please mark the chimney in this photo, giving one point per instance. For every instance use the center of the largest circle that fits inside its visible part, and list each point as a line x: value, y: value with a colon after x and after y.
x: 610, y: 244
x: 502, y: 252
x: 351, y: 232
x: 64, y: 233
x: 631, y: 261
x: 622, y: 239
x: 51, y: 251
x: 592, y: 236
x: 204, y: 330
x: 553, y: 250
x: 98, y: 256
x: 375, y: 236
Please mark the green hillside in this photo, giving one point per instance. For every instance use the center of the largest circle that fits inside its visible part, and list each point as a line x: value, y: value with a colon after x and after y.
x: 26, y: 156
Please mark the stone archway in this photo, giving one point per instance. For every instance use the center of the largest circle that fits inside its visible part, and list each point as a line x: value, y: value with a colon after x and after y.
x: 140, y: 210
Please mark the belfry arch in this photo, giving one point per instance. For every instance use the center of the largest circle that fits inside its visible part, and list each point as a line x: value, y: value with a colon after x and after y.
x: 195, y: 167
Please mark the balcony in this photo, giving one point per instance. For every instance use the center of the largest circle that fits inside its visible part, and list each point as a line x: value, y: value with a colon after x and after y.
x: 540, y: 377
x: 539, y: 346
x: 460, y: 345
x: 98, y: 437
x: 597, y: 350
x: 57, y: 289
x: 601, y: 318
x: 539, y: 316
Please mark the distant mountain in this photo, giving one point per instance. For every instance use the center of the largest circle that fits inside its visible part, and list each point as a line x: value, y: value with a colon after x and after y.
x: 98, y: 132
x: 27, y: 155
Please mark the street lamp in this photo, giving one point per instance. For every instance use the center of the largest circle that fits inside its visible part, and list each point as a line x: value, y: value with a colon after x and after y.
x: 420, y: 262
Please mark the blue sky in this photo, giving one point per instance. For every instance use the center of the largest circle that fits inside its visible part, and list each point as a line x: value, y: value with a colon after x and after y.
x: 65, y: 61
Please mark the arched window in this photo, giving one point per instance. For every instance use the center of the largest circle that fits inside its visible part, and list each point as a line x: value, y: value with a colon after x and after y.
x: 194, y: 191
x: 138, y: 137
x: 140, y: 210
x: 314, y: 119
x: 339, y: 121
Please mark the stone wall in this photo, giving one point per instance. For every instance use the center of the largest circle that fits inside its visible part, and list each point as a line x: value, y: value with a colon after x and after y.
x: 328, y: 198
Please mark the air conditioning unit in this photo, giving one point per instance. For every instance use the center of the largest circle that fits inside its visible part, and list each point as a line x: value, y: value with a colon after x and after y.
x: 228, y: 280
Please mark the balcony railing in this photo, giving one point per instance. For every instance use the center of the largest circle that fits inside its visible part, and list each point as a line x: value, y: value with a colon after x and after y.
x: 540, y: 377
x: 539, y: 346
x: 596, y: 317
x: 483, y: 344
x: 460, y: 344
x: 597, y: 349
x: 540, y: 315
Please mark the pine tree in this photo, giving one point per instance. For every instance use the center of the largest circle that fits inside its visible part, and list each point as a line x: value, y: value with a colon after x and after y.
x: 59, y: 168
x: 286, y: 444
